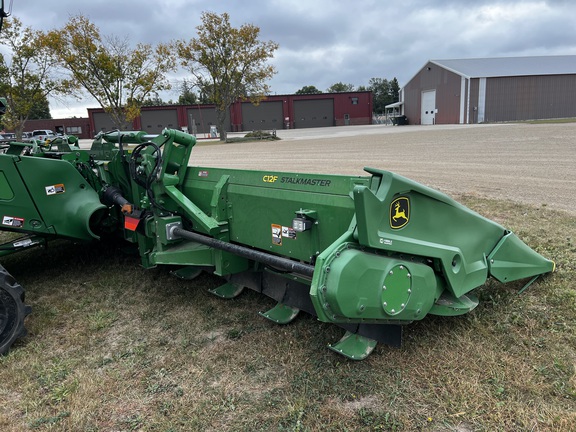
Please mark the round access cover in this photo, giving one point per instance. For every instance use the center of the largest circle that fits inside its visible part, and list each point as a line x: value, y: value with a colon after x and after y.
x: 396, y: 290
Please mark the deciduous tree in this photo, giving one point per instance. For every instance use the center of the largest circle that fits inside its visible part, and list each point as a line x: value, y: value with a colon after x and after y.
x: 41, y: 110
x: 228, y: 63
x: 118, y: 76
x: 187, y: 94
x: 340, y: 87
x: 310, y: 89
x: 384, y: 93
x: 28, y: 74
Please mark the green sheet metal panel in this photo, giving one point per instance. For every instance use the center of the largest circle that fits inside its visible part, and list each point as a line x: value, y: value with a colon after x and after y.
x: 261, y: 206
x: 17, y: 210
x: 68, y: 205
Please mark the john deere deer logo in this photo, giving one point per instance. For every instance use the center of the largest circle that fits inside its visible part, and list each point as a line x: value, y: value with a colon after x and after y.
x: 399, y: 212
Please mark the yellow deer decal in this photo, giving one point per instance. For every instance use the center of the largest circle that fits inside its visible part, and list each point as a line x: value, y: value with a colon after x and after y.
x: 399, y: 213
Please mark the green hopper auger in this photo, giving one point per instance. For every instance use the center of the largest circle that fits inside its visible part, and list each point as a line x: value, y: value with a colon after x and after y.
x: 368, y: 253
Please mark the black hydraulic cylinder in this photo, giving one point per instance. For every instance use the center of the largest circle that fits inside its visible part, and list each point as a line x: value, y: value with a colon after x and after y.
x: 255, y: 255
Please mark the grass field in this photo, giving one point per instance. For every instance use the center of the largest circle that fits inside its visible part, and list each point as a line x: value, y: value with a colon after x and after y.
x: 113, y: 347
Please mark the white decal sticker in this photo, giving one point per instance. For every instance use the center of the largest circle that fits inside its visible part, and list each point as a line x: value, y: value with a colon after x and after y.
x: 288, y: 232
x: 13, y: 221
x: 277, y: 235
x: 55, y: 189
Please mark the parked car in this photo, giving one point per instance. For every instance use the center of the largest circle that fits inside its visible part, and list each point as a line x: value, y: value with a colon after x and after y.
x: 43, y: 135
x: 7, y: 136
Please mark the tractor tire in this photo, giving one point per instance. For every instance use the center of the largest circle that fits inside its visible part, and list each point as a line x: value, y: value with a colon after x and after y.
x: 12, y: 311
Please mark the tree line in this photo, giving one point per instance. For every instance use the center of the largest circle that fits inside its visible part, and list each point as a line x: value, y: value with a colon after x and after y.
x: 223, y: 64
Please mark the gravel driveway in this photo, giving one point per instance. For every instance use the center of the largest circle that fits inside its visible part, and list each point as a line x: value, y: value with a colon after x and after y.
x: 528, y: 163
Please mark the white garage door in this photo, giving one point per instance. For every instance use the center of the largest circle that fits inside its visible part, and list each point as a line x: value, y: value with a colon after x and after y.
x: 428, y: 107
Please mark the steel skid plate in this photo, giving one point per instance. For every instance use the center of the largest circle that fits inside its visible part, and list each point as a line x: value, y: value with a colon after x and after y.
x: 228, y: 291
x: 281, y: 314
x: 354, y: 346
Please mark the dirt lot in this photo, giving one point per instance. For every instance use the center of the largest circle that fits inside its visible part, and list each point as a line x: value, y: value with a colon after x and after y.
x: 529, y: 163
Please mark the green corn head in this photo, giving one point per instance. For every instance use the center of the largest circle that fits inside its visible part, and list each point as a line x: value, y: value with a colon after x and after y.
x: 368, y: 253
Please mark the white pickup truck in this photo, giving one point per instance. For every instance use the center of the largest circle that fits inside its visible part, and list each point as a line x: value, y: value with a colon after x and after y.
x: 43, y: 135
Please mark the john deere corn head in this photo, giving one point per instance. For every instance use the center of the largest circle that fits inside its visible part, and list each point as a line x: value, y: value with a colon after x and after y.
x: 368, y: 253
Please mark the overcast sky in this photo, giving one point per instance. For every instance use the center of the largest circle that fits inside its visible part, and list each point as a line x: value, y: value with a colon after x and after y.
x: 323, y: 42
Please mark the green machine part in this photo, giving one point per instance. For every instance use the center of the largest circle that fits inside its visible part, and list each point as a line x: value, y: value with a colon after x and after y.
x: 44, y: 196
x: 367, y: 253
x: 257, y: 209
x: 409, y: 218
x: 415, y: 251
x: 385, y: 249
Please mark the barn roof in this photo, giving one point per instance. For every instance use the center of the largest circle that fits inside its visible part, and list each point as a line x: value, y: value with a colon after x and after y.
x: 510, y: 66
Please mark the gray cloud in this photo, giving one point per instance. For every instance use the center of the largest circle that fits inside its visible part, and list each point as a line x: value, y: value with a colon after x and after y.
x: 326, y: 41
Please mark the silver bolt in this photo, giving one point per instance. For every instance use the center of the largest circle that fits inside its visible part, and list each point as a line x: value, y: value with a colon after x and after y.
x: 384, y: 304
x: 391, y: 272
x: 393, y: 311
x: 384, y: 287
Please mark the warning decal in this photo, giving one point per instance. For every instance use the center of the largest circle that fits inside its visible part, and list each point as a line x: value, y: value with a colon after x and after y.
x: 15, y: 222
x: 55, y: 189
x: 277, y: 235
x: 288, y: 232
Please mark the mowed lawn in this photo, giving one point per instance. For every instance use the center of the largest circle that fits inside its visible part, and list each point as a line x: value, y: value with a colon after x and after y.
x: 114, y: 347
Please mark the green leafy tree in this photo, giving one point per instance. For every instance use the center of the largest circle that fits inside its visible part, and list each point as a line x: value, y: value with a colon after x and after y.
x: 154, y: 100
x: 187, y: 94
x: 384, y: 93
x: 308, y: 90
x: 340, y: 87
x: 395, y: 90
x: 228, y: 63
x: 118, y: 76
x: 40, y: 110
x: 28, y: 75
x: 206, y: 94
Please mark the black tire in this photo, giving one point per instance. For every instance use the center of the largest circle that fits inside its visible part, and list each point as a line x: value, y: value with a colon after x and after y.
x: 12, y: 311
